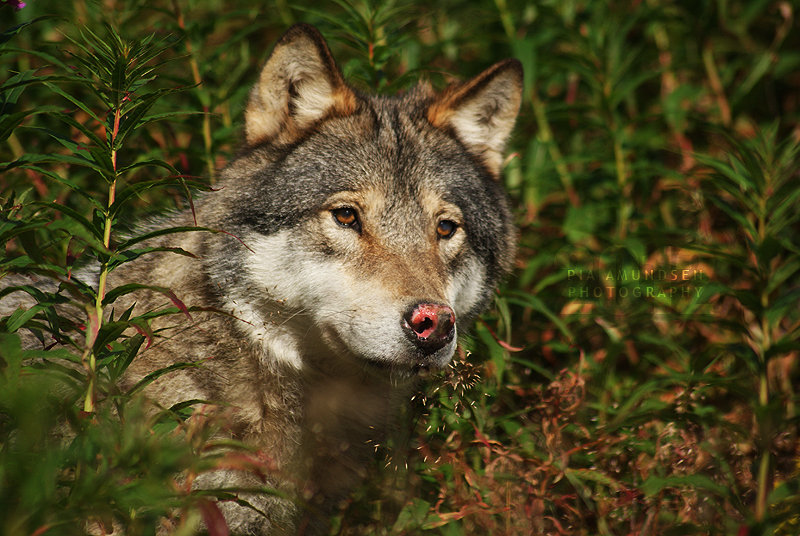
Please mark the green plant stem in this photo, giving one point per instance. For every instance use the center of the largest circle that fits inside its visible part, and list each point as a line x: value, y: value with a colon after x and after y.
x: 207, y: 139
x: 763, y: 488
x: 89, y: 402
x: 624, y: 187
x: 546, y: 136
x: 545, y: 132
x: 763, y: 400
x: 716, y: 85
x: 763, y: 478
x: 505, y: 17
x: 16, y: 147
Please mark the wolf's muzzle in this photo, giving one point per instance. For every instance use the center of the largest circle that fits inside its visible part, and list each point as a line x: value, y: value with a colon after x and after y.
x: 430, y: 326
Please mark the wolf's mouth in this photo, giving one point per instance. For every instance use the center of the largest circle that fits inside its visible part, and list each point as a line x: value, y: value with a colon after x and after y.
x: 414, y: 368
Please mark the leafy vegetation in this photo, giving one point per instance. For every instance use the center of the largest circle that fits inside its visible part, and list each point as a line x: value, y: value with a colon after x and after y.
x: 638, y: 372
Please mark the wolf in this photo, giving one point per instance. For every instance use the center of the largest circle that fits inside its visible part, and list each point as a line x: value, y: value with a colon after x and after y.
x: 361, y: 235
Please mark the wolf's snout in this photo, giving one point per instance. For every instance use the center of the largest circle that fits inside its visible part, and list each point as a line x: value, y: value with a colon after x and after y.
x: 429, y: 326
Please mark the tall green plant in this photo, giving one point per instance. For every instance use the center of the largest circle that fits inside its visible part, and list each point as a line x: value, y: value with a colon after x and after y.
x: 112, y: 460
x: 756, y: 187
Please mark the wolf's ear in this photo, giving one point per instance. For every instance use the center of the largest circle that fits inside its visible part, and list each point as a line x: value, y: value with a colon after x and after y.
x: 299, y: 85
x: 482, y: 111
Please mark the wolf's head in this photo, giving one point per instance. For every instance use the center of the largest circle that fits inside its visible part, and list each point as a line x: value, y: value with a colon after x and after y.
x: 374, y: 228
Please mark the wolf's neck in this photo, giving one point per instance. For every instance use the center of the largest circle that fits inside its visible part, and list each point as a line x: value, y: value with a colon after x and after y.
x: 345, y: 418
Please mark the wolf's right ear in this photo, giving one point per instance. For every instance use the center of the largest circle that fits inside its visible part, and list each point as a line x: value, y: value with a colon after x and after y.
x: 299, y: 85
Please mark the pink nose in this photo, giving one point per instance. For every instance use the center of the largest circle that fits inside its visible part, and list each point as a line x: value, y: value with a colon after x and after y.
x: 429, y: 326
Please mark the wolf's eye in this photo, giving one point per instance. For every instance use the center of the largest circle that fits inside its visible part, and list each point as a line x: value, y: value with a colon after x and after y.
x: 346, y: 217
x: 446, y: 228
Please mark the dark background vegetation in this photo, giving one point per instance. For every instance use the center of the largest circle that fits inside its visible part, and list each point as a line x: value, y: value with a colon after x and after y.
x: 638, y: 371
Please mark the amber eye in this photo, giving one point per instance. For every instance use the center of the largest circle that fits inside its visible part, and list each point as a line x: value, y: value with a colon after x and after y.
x: 446, y: 228
x: 346, y: 217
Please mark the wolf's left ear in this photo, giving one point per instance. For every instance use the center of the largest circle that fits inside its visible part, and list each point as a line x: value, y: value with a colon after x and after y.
x: 482, y: 111
x: 299, y: 85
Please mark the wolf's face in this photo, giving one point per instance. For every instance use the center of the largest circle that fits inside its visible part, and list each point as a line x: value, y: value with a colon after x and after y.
x: 374, y: 229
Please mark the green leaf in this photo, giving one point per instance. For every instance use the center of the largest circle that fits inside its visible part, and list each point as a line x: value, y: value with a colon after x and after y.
x: 10, y: 229
x: 165, y: 116
x: 8, y: 123
x: 108, y: 333
x: 14, y: 30
x: 136, y: 112
x: 32, y: 159
x: 118, y: 79
x: 646, y: 390
x: 536, y: 304
x: 735, y: 214
x: 786, y: 490
x: 21, y: 316
x: 122, y: 290
x: 129, y: 255
x: 30, y: 244
x: 134, y: 190
x: 177, y: 177
x: 655, y: 484
x: 86, y: 131
x: 74, y: 100
x: 153, y: 376
x: 583, y: 222
x: 726, y: 171
x: 123, y: 361
x: 95, y: 230
x: 70, y: 184
x: 10, y: 91
x: 11, y: 361
x: 161, y: 232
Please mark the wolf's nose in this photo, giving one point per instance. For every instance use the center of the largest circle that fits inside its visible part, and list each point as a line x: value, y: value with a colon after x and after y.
x: 429, y: 326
